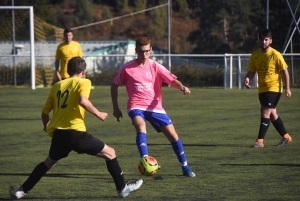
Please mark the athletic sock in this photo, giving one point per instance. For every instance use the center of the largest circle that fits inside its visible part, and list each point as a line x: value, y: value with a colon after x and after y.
x: 178, y: 149
x: 264, y: 125
x: 278, y: 124
x: 116, y: 172
x: 141, y: 143
x: 39, y: 171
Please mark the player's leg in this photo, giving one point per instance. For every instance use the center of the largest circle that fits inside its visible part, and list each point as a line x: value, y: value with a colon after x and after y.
x: 57, y: 151
x: 279, y: 126
x: 170, y: 133
x: 162, y: 123
x: 90, y: 145
x: 113, y: 167
x: 116, y: 172
x: 38, y: 172
x: 265, y: 111
x: 139, y: 123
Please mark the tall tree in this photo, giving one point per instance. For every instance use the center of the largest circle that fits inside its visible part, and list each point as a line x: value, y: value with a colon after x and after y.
x: 226, y: 26
x: 158, y: 24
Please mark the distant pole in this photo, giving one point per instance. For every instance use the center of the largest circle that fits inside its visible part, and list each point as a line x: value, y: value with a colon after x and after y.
x: 14, y: 46
x: 169, y: 33
x: 292, y: 62
x: 267, y: 14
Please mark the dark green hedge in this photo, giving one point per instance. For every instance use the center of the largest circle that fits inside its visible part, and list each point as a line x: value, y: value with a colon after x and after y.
x: 188, y: 76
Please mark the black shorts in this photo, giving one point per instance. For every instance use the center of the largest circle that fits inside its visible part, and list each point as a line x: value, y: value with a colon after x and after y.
x: 65, y: 141
x: 269, y: 99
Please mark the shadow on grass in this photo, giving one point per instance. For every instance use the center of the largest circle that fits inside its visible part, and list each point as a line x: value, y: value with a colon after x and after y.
x: 256, y: 164
x: 62, y: 175
x: 20, y: 119
x: 11, y: 190
x: 151, y: 144
x: 67, y: 198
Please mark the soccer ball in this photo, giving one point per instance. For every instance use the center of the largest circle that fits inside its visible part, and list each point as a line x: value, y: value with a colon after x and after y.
x: 148, y: 166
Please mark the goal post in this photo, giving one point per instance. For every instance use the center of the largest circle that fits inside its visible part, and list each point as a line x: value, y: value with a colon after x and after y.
x: 32, y: 51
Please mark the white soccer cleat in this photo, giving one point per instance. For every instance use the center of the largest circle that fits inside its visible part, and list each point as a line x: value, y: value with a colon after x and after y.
x: 19, y: 193
x: 130, y: 187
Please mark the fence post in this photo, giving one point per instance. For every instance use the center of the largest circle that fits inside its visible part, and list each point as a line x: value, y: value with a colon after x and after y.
x: 225, y: 69
x: 239, y: 72
x: 230, y: 72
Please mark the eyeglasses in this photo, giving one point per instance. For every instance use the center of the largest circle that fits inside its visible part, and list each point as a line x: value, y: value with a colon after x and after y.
x: 143, y: 51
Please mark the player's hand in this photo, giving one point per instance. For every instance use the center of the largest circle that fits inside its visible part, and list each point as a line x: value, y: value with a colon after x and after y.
x: 288, y: 93
x: 118, y: 114
x: 102, y: 116
x: 58, y: 75
x: 247, y: 83
x: 185, y: 90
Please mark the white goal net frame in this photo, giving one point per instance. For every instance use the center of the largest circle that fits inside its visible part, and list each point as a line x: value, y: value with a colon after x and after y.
x: 32, y: 49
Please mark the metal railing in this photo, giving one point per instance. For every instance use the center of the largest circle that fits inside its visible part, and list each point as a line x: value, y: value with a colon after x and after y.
x: 234, y: 66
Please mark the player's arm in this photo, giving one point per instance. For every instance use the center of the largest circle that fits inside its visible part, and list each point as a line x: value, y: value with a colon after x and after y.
x: 248, y: 78
x: 178, y: 85
x: 87, y: 105
x: 114, y: 97
x: 57, y: 69
x: 45, y: 120
x: 286, y: 78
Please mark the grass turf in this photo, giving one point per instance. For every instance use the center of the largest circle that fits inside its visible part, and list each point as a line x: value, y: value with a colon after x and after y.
x: 216, y: 126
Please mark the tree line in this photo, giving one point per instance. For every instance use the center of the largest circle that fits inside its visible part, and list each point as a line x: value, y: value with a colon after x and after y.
x: 224, y: 26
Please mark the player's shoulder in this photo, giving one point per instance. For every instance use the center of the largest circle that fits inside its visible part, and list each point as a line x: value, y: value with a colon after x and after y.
x: 82, y: 80
x: 255, y: 52
x: 274, y: 51
x: 129, y: 64
x: 75, y: 42
x: 156, y: 65
x: 60, y: 45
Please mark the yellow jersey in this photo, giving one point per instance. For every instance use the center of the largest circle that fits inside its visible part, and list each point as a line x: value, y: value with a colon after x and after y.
x: 64, y: 53
x: 268, y: 66
x: 63, y: 100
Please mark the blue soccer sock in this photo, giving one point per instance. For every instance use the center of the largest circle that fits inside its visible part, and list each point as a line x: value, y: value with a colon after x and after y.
x: 141, y: 143
x: 178, y: 149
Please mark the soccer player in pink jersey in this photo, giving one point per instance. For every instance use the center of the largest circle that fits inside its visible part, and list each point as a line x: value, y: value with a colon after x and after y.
x: 143, y: 78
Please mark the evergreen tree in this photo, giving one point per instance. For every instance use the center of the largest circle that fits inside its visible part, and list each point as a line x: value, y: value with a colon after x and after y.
x: 180, y: 6
x: 219, y: 28
x: 158, y: 24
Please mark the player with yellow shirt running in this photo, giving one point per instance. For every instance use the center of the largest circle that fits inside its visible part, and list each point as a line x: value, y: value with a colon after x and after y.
x: 271, y: 69
x: 68, y: 99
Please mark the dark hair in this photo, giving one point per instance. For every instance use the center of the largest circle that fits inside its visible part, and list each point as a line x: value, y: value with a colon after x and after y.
x: 67, y: 31
x: 266, y: 33
x: 76, y: 65
x: 144, y: 40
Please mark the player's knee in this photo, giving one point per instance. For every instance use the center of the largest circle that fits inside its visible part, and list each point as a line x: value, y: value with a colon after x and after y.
x: 107, y: 153
x: 50, y: 163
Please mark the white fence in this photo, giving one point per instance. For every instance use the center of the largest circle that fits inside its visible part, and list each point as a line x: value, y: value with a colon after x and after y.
x: 234, y: 66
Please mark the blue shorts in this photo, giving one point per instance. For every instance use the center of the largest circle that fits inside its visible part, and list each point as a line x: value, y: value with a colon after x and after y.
x: 157, y: 120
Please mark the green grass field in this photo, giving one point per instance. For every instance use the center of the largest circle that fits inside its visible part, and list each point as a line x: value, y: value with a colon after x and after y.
x: 216, y: 126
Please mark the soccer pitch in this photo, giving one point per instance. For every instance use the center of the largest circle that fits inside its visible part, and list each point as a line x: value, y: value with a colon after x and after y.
x: 216, y: 126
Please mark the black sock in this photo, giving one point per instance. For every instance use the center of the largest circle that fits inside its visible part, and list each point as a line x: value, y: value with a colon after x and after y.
x: 264, y: 125
x: 278, y: 124
x: 116, y: 172
x: 38, y: 172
